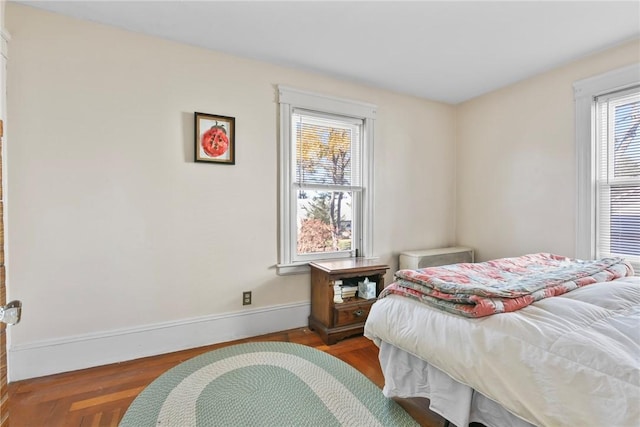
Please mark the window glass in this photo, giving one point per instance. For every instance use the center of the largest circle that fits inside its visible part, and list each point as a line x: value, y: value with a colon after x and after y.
x: 324, y: 221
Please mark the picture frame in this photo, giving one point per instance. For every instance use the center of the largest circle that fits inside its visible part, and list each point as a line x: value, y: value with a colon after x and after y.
x: 215, y: 137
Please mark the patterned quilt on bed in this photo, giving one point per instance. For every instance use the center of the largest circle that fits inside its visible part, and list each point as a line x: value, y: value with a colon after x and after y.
x: 502, y: 285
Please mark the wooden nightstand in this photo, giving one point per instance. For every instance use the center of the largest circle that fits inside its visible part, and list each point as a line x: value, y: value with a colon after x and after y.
x: 335, y: 321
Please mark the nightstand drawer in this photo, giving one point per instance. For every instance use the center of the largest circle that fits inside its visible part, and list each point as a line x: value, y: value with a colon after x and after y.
x: 347, y: 314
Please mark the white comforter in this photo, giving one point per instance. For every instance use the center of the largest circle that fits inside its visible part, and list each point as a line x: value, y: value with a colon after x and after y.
x: 572, y: 360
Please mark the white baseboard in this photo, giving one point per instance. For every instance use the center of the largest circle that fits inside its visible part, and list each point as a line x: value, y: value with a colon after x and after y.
x: 84, y: 351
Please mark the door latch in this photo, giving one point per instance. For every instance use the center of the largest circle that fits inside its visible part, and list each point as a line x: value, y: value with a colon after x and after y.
x: 10, y: 313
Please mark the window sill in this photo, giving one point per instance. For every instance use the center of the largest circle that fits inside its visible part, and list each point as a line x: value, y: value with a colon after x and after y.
x: 289, y: 269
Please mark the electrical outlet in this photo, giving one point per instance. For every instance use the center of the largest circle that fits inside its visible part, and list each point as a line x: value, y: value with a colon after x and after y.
x: 246, y: 298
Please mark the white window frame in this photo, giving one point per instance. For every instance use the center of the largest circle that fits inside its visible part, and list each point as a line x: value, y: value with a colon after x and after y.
x: 290, y: 99
x: 585, y: 92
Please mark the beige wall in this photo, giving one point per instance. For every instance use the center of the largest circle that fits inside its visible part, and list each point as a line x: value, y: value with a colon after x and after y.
x: 516, y: 168
x: 112, y: 225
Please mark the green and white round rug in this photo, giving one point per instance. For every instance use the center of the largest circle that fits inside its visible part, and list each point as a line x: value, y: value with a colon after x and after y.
x: 264, y: 384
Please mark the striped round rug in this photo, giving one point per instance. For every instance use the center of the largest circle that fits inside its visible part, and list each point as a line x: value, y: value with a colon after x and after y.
x: 264, y: 384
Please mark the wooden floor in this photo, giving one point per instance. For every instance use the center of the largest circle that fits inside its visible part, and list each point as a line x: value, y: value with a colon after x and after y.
x: 100, y: 396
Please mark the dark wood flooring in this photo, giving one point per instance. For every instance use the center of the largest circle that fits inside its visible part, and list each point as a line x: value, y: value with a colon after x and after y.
x: 100, y: 396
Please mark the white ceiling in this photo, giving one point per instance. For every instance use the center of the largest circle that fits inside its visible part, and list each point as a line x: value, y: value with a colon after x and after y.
x: 447, y: 51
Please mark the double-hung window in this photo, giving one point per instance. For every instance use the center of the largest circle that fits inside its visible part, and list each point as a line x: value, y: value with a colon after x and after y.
x: 618, y: 175
x: 326, y: 178
x: 608, y: 156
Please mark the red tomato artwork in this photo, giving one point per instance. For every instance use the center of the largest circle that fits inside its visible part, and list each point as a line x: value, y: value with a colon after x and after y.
x: 215, y: 141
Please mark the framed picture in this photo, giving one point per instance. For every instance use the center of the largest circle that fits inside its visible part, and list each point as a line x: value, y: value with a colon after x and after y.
x: 215, y: 139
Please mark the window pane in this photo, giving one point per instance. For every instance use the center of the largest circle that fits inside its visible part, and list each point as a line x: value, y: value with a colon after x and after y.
x: 626, y: 144
x: 324, y: 220
x: 326, y: 151
x: 625, y: 220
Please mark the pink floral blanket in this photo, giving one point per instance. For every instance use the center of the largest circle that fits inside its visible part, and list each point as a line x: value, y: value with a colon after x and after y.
x: 502, y: 285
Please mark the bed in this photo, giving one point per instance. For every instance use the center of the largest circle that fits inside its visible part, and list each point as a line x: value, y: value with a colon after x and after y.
x: 568, y: 358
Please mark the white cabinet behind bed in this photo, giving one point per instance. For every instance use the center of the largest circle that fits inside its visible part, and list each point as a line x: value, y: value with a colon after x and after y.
x: 434, y: 257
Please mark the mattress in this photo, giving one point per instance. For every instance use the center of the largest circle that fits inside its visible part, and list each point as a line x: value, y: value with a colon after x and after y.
x: 567, y: 360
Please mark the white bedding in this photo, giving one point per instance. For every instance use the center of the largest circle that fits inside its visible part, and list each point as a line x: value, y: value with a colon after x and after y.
x: 409, y: 376
x: 572, y: 360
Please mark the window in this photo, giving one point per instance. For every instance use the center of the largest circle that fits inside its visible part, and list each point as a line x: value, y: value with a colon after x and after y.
x: 326, y: 184
x: 608, y: 149
x: 618, y: 175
